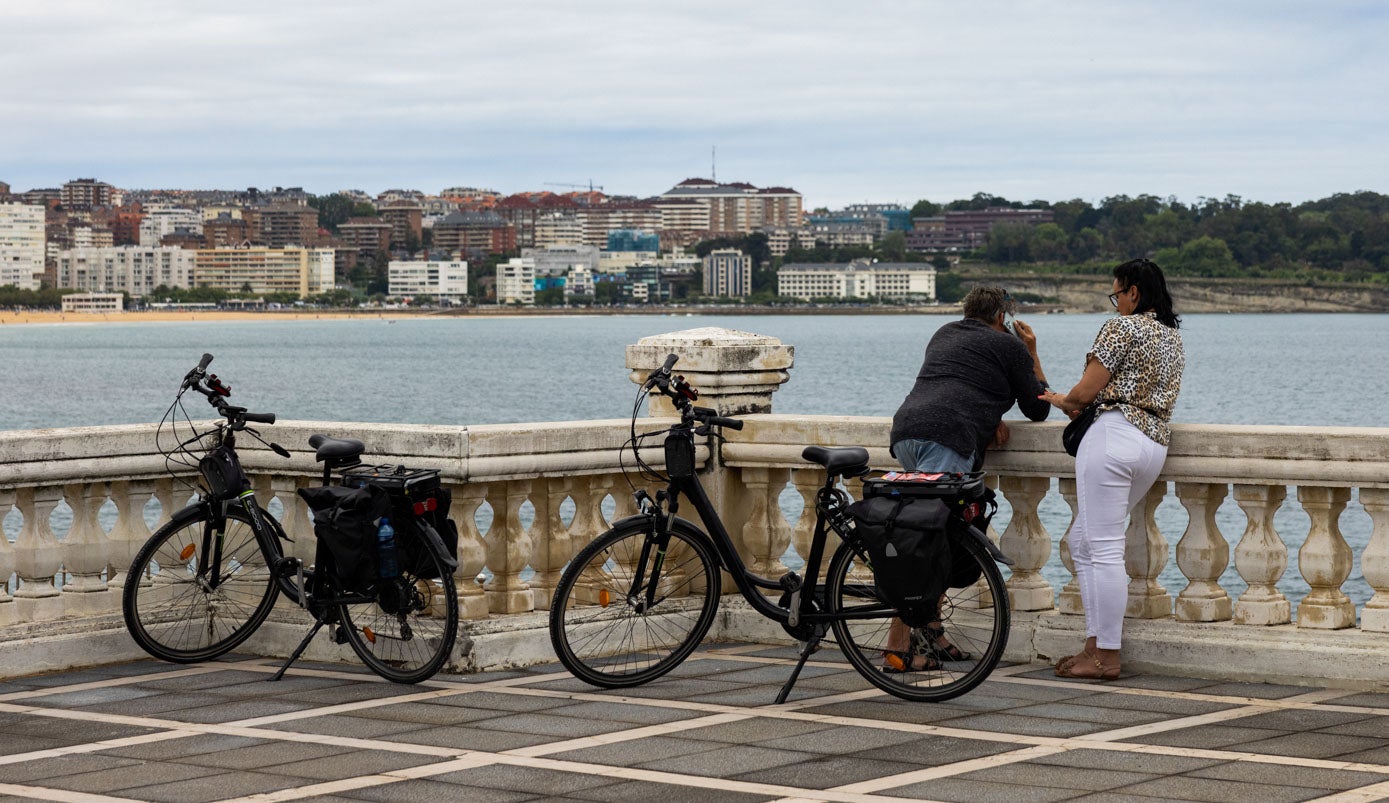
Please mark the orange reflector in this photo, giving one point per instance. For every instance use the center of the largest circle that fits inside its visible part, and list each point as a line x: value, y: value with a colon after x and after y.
x: 896, y: 662
x: 604, y: 597
x: 366, y: 631
x: 187, y: 552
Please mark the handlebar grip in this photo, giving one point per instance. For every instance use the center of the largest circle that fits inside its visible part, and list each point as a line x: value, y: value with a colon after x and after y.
x: 671, y: 359
x: 258, y: 418
x: 202, y: 366
x: 730, y: 423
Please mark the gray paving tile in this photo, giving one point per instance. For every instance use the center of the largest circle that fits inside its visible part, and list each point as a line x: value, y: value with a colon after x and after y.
x: 548, y: 725
x: 956, y: 789
x: 1368, y: 700
x: 199, y: 788
x: 78, y: 699
x: 349, y: 765
x: 1108, y: 717
x: 824, y: 772
x: 625, y: 712
x: 430, y: 713
x: 1130, y: 762
x: 1379, y: 755
x: 501, y: 701
x: 339, y: 725
x: 263, y: 756
x: 1203, y: 736
x: 645, y: 792
x: 216, y: 682
x: 184, y: 748
x: 1184, y: 787
x: 1093, y: 779
x: 468, y: 738
x: 842, y: 741
x: 1031, y: 692
x: 223, y: 710
x: 425, y: 790
x: 1373, y: 727
x: 1288, y: 775
x: 1161, y: 682
x: 13, y: 743
x: 1024, y: 726
x: 352, y: 692
x: 1160, y: 705
x: 757, y: 729
x: 752, y: 696
x: 113, y: 779
x: 635, y: 753
x: 1302, y: 719
x: 535, y: 780
x: 61, y: 765
x: 769, y: 675
x: 725, y: 761
x: 934, y: 751
x: 1263, y: 691
x: 890, y: 709
x: 1309, y: 745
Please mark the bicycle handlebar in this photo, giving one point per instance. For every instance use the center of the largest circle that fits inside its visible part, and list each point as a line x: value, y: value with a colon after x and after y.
x: 238, y: 416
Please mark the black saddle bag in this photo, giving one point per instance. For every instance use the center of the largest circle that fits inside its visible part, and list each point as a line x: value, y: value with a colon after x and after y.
x: 345, y: 521
x: 908, y: 551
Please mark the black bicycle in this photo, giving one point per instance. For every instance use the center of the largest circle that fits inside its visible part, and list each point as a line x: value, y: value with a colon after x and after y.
x: 206, y: 580
x: 638, y: 599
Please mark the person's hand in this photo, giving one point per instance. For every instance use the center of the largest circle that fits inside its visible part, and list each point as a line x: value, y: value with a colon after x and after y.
x: 1001, y: 435
x: 1025, y: 334
x: 1058, y: 401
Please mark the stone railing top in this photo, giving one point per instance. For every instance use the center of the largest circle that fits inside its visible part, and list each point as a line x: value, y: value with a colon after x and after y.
x: 736, y: 372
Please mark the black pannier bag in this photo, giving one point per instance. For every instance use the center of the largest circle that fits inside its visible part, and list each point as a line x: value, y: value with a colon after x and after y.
x: 419, y: 513
x: 345, y: 521
x: 908, y: 552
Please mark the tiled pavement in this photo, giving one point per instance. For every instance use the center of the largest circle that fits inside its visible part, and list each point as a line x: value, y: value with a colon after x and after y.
x: 707, y: 732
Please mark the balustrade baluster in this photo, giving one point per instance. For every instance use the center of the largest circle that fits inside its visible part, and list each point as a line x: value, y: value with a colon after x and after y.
x: 1374, y: 562
x: 1325, y: 560
x: 1202, y: 554
x: 553, y: 546
x: 766, y: 535
x: 84, y: 550
x: 38, y: 555
x: 295, y: 517
x: 1145, y: 556
x: 1261, y: 557
x: 1069, y: 599
x: 7, y: 555
x: 808, y: 483
x: 509, y: 549
x: 1026, y: 541
x: 130, y: 531
x: 472, y: 549
x: 164, y: 494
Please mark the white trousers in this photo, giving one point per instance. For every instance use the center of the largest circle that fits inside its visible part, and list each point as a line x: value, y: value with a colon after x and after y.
x: 1115, y: 467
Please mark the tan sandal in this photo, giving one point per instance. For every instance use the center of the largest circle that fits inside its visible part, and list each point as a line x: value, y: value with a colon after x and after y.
x: 1102, y: 672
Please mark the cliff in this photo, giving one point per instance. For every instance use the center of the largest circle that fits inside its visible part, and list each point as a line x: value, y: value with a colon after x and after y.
x: 1089, y: 293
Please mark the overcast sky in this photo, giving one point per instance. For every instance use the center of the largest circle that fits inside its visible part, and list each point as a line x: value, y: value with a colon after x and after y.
x: 846, y: 101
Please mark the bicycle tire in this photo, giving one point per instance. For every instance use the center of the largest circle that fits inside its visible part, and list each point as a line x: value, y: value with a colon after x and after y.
x: 603, y: 636
x: 408, y: 636
x: 168, y: 607
x: 975, y: 619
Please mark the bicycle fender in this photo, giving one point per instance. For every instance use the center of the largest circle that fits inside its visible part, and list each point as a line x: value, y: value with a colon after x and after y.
x: 189, y: 513
x: 684, y: 525
x: 983, y: 540
x: 436, y: 545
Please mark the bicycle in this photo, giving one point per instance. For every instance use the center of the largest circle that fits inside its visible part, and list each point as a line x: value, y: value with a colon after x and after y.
x: 205, y: 581
x: 636, y: 601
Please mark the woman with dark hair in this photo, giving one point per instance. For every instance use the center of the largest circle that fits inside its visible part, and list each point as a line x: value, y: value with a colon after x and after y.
x: 1133, y: 372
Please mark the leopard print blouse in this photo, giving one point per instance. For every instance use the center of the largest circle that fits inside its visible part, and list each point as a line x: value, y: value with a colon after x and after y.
x: 1145, y: 362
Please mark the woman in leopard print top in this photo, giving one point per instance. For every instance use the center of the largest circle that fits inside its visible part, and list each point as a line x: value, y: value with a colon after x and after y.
x: 1134, y: 373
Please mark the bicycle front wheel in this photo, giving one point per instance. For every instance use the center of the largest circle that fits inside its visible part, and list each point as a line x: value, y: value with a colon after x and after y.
x: 177, y: 611
x: 602, y: 625
x: 927, y: 664
x: 406, y: 633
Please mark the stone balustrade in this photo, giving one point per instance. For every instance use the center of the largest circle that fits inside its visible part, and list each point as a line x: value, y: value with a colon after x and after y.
x: 528, y: 496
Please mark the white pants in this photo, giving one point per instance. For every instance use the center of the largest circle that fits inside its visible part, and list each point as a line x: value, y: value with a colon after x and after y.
x: 1115, y: 467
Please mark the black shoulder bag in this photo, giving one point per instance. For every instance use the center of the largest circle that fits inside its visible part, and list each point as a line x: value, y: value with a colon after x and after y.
x: 1075, y: 431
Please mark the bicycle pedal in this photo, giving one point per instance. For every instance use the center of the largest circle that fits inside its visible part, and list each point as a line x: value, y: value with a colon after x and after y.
x: 339, y: 635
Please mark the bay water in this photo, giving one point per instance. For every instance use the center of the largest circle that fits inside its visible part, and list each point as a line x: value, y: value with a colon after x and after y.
x: 1312, y: 370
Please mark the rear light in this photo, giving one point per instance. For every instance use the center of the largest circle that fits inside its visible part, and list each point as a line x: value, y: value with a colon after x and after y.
x: 426, y: 505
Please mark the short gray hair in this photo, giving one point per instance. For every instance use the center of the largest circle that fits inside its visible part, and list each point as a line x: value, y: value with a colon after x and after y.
x: 985, y: 303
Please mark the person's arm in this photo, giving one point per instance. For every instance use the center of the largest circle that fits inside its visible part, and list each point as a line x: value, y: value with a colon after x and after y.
x: 1094, y: 379
x: 1029, y: 339
x: 1026, y: 378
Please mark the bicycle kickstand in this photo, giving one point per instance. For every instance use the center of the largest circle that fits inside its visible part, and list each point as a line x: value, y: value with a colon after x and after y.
x: 298, y: 651
x: 807, y: 648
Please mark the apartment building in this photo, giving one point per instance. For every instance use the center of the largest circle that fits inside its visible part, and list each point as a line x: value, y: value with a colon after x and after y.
x: 968, y: 230
x: 739, y: 208
x: 86, y: 193
x: 474, y: 235
x: 781, y: 239
x: 728, y: 272
x: 366, y: 234
x: 286, y: 225
x: 132, y: 269
x: 161, y: 220
x: 516, y: 281
x: 21, y: 245
x: 558, y: 260
x: 406, y: 219
x: 93, y: 302
x: 446, y: 281
x: 302, y: 271
x: 578, y: 282
x: 558, y: 228
x: 905, y: 281
x: 597, y: 221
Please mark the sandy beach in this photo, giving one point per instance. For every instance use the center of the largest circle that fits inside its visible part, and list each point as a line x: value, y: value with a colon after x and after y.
x: 8, y: 317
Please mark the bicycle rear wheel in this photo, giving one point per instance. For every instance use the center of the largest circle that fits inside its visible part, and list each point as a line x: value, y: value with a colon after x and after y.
x: 974, y: 620
x: 600, y: 625
x: 406, y: 633
x: 176, y: 612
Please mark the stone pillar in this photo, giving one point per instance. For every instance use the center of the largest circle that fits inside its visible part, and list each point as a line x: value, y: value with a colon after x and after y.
x: 1374, y: 562
x: 808, y: 483
x: 1202, y: 555
x: 1027, y: 542
x: 38, y: 555
x: 130, y: 531
x: 84, y: 550
x: 1261, y: 557
x: 472, y: 550
x: 553, y: 545
x: 735, y: 372
x: 7, y: 610
x: 509, y: 552
x: 1325, y: 560
x: 1069, y: 599
x: 766, y: 535
x: 1145, y: 556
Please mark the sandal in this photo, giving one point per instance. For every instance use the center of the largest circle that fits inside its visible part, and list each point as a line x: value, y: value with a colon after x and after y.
x: 935, y: 632
x: 896, y: 662
x: 1102, y: 672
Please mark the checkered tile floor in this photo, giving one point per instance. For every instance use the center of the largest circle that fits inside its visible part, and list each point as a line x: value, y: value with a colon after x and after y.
x: 708, y: 732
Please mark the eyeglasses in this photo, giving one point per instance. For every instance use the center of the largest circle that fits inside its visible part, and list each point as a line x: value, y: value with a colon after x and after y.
x: 1114, y: 299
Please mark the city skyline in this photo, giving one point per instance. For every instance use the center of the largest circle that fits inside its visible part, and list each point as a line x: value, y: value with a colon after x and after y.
x: 882, y: 102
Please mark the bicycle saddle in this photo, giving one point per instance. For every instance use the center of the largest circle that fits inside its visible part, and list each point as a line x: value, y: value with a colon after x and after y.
x: 846, y: 461
x: 335, y: 448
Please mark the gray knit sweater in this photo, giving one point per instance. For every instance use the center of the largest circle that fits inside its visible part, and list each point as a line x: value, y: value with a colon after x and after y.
x: 971, y: 376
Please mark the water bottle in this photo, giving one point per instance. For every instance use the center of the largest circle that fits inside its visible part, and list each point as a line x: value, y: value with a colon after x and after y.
x: 386, y: 563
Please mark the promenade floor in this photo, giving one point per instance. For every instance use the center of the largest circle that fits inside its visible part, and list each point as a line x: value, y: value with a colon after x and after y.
x: 708, y: 732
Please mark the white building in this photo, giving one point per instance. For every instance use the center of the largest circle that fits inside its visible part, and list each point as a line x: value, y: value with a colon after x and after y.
x: 906, y: 281
x: 21, y: 245
x: 578, y: 282
x: 302, y: 271
x: 132, y: 269
x: 558, y: 228
x: 446, y: 281
x: 516, y: 281
x: 728, y: 272
x: 93, y: 302
x: 558, y: 260
x: 161, y: 220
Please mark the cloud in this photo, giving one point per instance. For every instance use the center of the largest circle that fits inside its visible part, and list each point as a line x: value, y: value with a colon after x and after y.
x: 846, y: 102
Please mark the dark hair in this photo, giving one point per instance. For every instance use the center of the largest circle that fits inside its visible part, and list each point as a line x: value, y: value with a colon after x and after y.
x: 1152, y: 289
x: 985, y: 303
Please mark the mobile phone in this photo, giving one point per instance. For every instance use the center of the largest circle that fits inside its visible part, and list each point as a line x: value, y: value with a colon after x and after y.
x: 1009, y: 323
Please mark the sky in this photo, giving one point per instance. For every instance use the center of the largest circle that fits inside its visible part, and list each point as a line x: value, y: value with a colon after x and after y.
x: 846, y: 102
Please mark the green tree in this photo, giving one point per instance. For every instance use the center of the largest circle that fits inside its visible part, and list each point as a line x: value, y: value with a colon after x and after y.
x: 333, y: 210
x: 925, y: 208
x: 1049, y: 243
x: 893, y: 246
